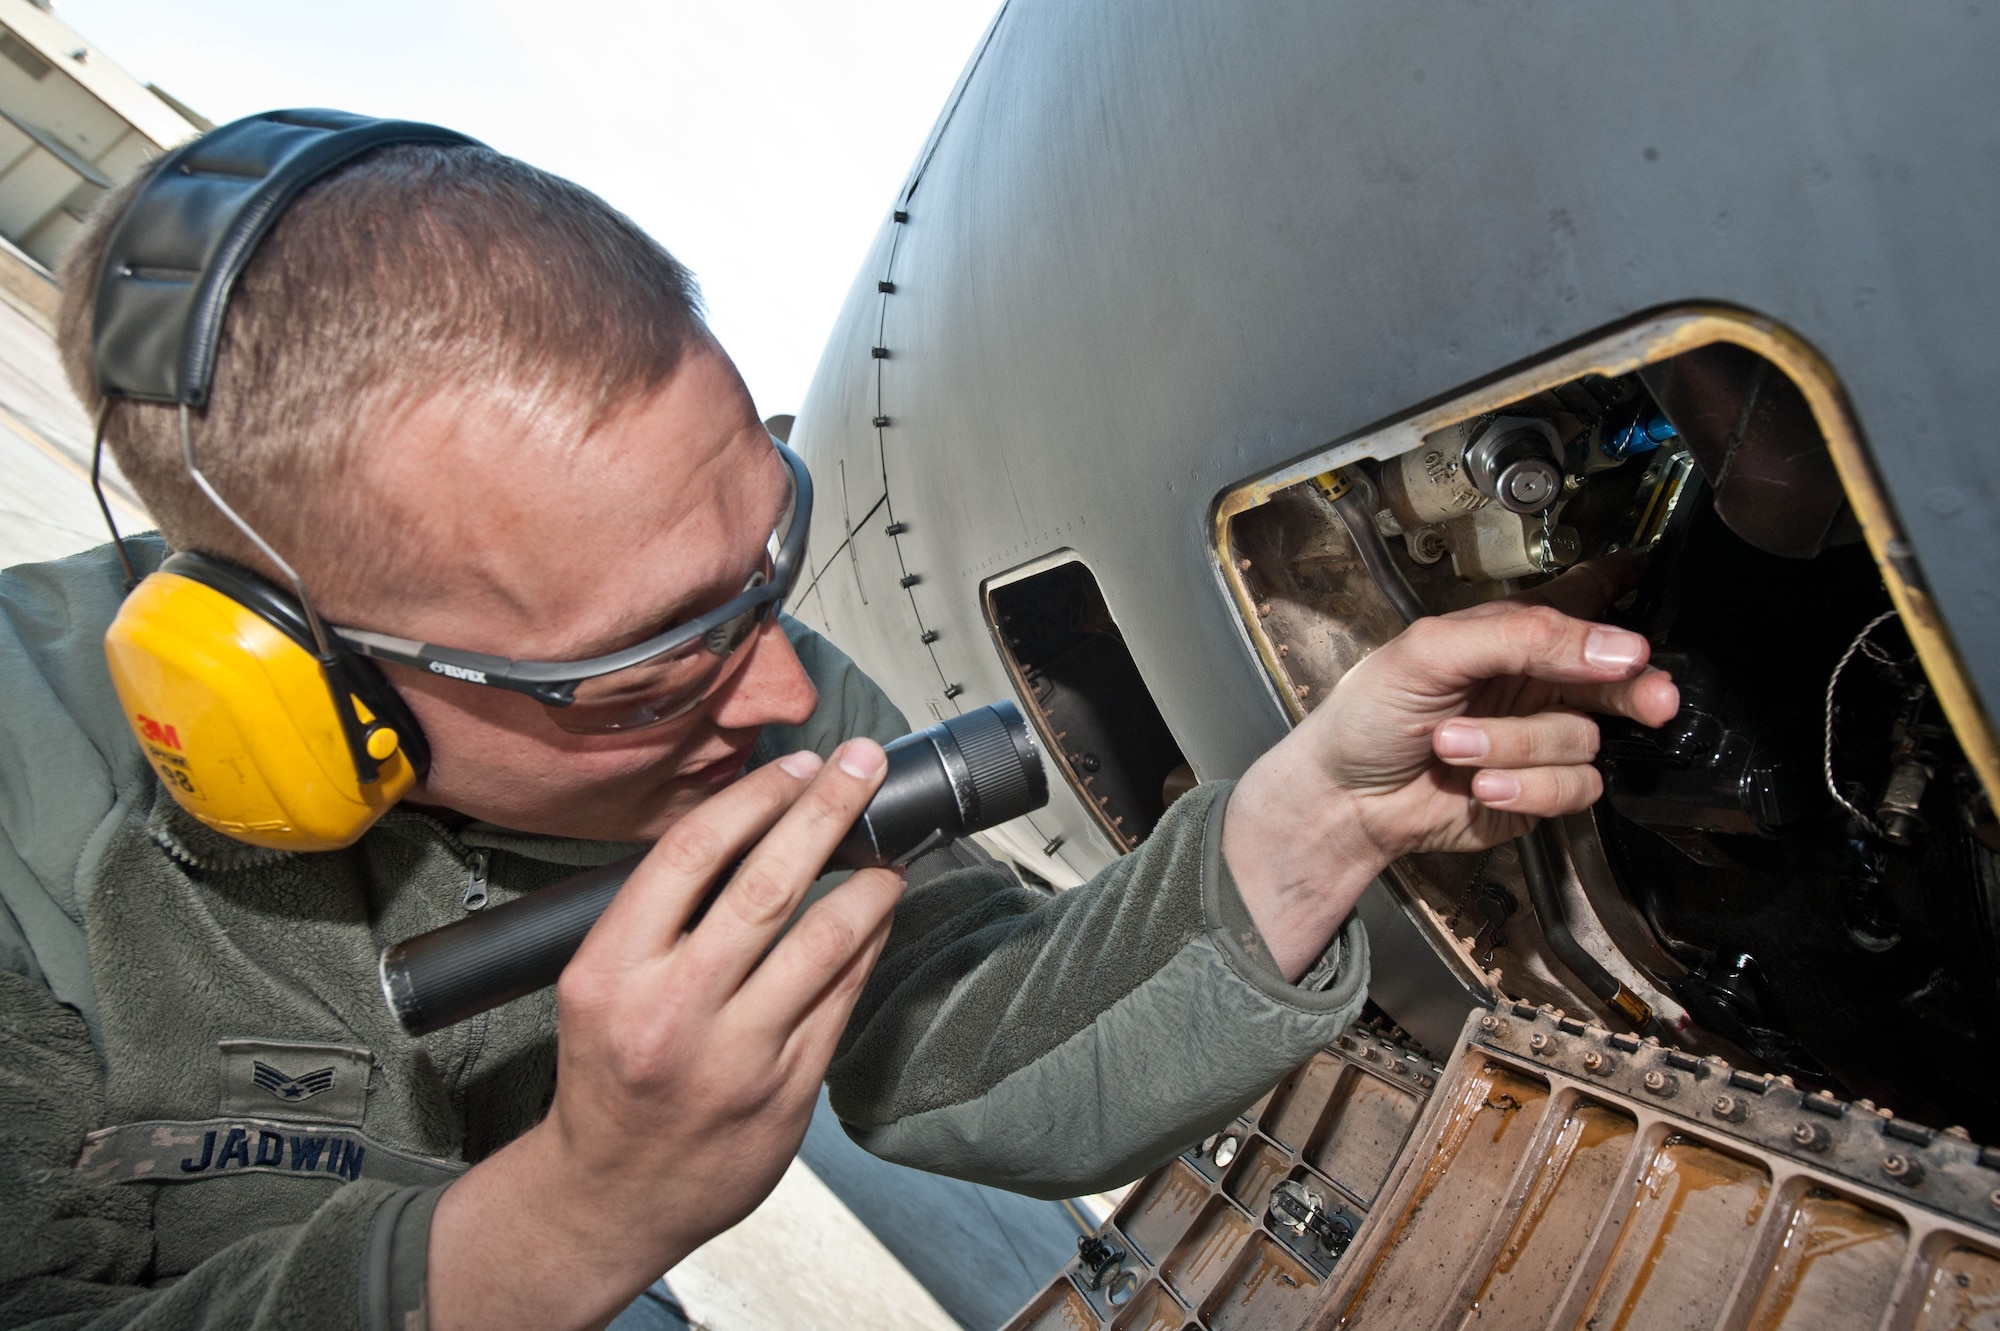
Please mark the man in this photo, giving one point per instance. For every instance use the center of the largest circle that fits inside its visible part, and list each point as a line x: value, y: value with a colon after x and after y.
x: 472, y: 406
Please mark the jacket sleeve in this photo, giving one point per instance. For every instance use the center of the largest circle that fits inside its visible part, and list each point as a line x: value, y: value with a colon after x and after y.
x: 75, y: 1254
x: 1059, y: 1045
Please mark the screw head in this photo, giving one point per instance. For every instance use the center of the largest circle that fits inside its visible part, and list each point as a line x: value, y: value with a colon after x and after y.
x: 1903, y: 1168
x: 1489, y: 1022
x: 1811, y: 1136
x: 1539, y: 1042
x: 1660, y: 1083
x: 1593, y: 1061
x: 1993, y: 1199
x: 1729, y: 1108
x: 1225, y: 1151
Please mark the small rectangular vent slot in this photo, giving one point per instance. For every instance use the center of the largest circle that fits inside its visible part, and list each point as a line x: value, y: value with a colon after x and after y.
x: 1081, y: 687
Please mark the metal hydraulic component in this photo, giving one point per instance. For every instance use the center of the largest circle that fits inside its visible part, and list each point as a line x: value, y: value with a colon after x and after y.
x: 1485, y: 494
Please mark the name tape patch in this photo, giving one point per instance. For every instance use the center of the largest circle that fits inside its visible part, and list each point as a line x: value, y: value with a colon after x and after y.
x: 162, y: 1152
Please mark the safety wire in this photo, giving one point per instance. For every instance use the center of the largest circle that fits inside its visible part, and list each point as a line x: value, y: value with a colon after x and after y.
x: 1876, y: 654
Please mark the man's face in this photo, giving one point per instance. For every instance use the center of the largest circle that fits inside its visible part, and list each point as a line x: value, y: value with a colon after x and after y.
x: 559, y: 548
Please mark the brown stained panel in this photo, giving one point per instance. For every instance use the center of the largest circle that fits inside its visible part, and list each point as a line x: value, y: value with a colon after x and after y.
x: 1153, y: 1310
x: 1270, y: 1290
x: 1300, y: 1099
x: 1685, y: 1237
x: 1060, y: 1308
x: 1836, y: 1267
x: 1204, y: 1257
x: 1257, y: 1170
x: 1159, y: 1210
x: 1964, y: 1293
x: 1365, y: 1134
x: 1489, y: 1125
x: 1564, y: 1204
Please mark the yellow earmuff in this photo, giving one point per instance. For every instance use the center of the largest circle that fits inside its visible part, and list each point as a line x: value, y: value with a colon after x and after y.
x: 240, y: 719
x: 258, y: 721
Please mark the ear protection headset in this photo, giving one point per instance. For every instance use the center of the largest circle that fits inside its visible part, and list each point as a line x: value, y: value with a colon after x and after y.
x: 257, y: 720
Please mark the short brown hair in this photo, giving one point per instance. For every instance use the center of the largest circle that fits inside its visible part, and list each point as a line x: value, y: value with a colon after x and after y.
x: 412, y: 270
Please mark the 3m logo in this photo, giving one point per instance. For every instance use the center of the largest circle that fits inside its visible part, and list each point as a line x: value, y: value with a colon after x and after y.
x: 157, y: 733
x: 291, y: 1088
x: 458, y: 672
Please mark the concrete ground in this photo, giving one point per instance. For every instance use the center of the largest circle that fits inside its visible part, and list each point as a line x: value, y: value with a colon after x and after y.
x: 847, y: 1240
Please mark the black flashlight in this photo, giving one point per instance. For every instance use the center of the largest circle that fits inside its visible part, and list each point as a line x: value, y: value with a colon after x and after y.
x: 963, y: 775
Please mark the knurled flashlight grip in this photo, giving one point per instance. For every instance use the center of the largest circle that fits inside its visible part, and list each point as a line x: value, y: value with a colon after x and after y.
x: 963, y: 775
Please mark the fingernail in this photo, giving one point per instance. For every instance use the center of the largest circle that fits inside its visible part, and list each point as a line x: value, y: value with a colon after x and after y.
x: 1495, y: 787
x: 801, y: 764
x: 1457, y: 740
x: 1613, y: 649
x: 861, y: 759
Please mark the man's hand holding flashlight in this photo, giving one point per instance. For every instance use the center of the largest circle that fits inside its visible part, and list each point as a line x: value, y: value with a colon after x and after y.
x: 688, y: 1062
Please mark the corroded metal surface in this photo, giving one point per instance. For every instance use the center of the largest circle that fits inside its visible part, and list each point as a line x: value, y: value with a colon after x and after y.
x: 1556, y: 1174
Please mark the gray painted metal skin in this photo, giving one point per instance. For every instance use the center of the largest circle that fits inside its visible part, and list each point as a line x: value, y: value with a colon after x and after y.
x: 1157, y: 246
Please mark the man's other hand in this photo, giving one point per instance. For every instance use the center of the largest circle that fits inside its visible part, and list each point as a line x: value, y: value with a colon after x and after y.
x: 688, y: 1059
x: 1456, y: 735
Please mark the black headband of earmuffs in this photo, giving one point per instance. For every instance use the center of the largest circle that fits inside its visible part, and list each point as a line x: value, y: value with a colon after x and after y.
x: 175, y: 254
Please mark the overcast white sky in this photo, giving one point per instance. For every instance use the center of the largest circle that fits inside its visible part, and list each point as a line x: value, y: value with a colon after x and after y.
x: 762, y: 141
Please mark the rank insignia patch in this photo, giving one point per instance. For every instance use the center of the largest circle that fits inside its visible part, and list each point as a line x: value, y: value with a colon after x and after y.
x: 290, y: 1088
x: 320, y: 1083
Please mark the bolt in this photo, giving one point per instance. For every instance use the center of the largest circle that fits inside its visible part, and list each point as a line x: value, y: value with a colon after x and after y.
x: 1595, y: 1062
x: 1372, y: 1054
x: 879, y: 353
x: 1539, y: 1042
x: 901, y: 216
x: 928, y: 636
x: 953, y: 690
x: 1263, y: 609
x: 1427, y: 545
x: 1660, y: 1083
x: 1730, y: 1108
x: 909, y: 579
x: 1993, y: 1199
x: 1489, y: 1022
x: 1242, y: 566
x: 1300, y: 691
x: 1811, y: 1137
x: 1905, y: 1169
x: 886, y: 288
x: 1283, y: 650
x: 1225, y: 1151
x: 1089, y: 762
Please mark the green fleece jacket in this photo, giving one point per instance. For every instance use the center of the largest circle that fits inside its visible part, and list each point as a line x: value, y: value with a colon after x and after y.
x: 208, y: 1116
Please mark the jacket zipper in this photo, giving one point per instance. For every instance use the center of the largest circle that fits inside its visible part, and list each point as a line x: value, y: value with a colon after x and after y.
x: 475, y: 881
x: 476, y: 861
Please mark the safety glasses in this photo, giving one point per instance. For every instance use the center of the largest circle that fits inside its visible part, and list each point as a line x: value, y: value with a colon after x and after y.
x: 666, y: 676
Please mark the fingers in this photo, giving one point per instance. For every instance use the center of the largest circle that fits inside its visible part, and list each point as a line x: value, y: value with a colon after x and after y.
x: 1541, y: 792
x: 758, y: 902
x: 1552, y: 738
x: 653, y: 908
x: 1650, y: 698
x: 1449, y: 653
x: 822, y: 950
